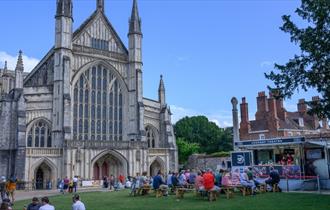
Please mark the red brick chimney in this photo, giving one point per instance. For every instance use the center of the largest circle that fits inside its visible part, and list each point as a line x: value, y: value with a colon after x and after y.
x: 245, y: 123
x: 316, y: 120
x: 302, y: 106
x: 272, y: 119
x: 262, y: 106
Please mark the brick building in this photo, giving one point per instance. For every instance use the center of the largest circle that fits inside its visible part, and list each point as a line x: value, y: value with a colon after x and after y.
x: 272, y: 120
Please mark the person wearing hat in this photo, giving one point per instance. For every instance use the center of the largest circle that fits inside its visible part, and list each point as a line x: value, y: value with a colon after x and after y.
x: 3, y: 187
x: 35, y: 205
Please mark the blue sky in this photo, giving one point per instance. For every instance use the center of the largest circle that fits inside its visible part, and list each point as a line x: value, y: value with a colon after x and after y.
x: 207, y: 50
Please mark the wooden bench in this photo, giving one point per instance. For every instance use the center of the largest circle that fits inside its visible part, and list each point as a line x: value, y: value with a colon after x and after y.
x: 159, y: 193
x: 179, y: 192
x: 276, y: 188
x: 262, y: 188
x: 229, y: 190
x: 143, y: 190
x: 212, y: 195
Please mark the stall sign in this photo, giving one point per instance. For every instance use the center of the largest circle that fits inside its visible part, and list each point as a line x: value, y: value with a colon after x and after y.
x: 314, y: 154
x: 270, y: 141
x: 241, y: 159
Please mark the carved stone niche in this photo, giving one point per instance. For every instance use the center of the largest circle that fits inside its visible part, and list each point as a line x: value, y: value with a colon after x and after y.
x: 138, y: 155
x: 78, y: 155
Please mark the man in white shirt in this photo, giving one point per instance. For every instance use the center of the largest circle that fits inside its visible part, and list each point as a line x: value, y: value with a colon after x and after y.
x: 77, y: 204
x: 46, y: 205
x: 75, y: 183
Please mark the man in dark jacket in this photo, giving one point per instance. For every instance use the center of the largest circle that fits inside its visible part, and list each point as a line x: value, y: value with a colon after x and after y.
x: 274, y: 178
x: 158, y: 183
x: 35, y: 205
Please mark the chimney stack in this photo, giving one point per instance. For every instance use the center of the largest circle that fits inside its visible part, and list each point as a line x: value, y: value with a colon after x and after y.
x: 302, y: 106
x: 262, y: 106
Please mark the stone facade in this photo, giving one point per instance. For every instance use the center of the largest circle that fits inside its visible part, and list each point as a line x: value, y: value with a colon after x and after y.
x: 81, y: 111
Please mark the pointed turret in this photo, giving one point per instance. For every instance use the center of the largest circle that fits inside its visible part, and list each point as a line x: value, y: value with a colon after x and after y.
x: 135, y: 21
x: 19, y: 71
x: 64, y: 8
x: 5, y: 68
x: 161, y: 92
x: 100, y: 5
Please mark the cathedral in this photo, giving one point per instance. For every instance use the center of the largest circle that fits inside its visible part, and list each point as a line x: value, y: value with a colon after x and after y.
x: 81, y: 110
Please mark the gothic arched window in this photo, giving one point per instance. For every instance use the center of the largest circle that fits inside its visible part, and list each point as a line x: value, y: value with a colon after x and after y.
x: 39, y: 135
x: 97, y: 106
x: 151, y: 137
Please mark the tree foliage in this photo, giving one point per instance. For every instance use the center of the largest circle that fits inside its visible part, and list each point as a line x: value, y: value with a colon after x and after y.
x: 311, y: 68
x: 206, y: 134
x: 185, y: 149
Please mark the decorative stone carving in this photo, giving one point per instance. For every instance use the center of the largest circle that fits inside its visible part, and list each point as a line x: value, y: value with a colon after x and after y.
x: 43, y: 76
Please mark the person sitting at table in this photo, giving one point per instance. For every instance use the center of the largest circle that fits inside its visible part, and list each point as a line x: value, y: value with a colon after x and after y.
x: 244, y: 179
x: 283, y: 160
x: 289, y: 159
x: 182, y: 179
x: 208, y: 178
x: 158, y: 183
x: 199, y: 182
x: 274, y: 178
x: 226, y: 179
x: 235, y: 177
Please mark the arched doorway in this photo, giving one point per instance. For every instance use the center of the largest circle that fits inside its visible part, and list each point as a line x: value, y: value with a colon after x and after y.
x: 39, y: 179
x: 110, y: 163
x: 43, y: 176
x: 157, y: 165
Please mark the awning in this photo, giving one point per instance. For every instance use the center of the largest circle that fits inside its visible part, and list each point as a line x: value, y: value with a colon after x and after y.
x: 320, y: 143
x: 270, y: 142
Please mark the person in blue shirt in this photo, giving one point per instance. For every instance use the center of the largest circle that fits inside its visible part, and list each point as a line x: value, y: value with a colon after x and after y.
x: 158, y: 183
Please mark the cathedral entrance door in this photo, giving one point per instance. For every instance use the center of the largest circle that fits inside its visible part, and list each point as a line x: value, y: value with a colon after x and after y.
x: 157, y: 165
x: 39, y: 179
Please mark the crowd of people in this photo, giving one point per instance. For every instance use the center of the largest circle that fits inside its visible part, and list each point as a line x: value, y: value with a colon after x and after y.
x: 202, y: 181
x: 207, y: 180
x: 67, y: 185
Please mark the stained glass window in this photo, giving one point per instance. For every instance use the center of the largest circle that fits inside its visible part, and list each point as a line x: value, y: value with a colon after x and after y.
x: 39, y: 135
x: 98, y: 107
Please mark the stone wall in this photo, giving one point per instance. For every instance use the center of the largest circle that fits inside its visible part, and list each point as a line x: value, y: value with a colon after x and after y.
x: 202, y: 162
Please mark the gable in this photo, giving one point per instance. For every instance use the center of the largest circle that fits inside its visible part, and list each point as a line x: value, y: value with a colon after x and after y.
x: 98, y: 32
x: 43, y: 73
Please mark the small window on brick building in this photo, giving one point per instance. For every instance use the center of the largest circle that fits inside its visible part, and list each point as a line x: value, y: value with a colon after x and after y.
x: 301, y: 122
x: 290, y: 133
x: 261, y: 136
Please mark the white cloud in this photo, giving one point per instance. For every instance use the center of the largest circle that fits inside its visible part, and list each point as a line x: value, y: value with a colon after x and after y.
x: 267, y: 64
x: 290, y: 107
x: 220, y: 118
x: 29, y: 62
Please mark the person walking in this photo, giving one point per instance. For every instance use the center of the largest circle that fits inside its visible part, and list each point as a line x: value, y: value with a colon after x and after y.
x: 77, y: 204
x: 46, y: 205
x: 75, y: 183
x: 3, y: 188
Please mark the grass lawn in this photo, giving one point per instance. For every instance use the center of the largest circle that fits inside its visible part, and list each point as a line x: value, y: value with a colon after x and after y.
x: 121, y: 200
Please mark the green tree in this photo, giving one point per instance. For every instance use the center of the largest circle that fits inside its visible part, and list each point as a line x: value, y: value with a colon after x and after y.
x: 208, y: 135
x: 185, y: 149
x: 311, y: 68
